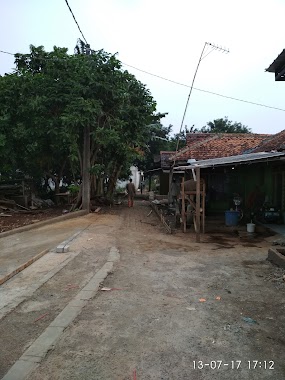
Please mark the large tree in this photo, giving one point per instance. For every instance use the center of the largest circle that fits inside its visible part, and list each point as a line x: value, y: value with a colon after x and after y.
x: 52, y: 98
x: 224, y: 125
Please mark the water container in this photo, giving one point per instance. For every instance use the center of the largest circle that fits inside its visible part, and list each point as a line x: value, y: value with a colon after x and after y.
x: 250, y: 227
x: 232, y: 218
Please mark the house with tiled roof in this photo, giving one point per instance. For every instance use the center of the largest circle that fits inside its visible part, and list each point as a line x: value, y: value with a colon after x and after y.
x: 202, y: 146
x: 259, y: 183
x: 272, y: 143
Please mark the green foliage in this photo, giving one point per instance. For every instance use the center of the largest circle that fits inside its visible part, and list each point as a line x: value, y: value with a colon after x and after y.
x: 224, y: 125
x: 51, y: 96
x: 73, y: 189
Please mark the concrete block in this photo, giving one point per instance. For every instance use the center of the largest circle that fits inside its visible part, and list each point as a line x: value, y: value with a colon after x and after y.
x: 105, y: 270
x: 44, y: 343
x: 62, y: 248
x: 78, y: 302
x: 94, y: 283
x: 59, y: 248
x: 275, y: 256
x: 85, y: 294
x: 33, y: 359
x: 64, y: 318
x: 20, y: 370
x: 113, y: 254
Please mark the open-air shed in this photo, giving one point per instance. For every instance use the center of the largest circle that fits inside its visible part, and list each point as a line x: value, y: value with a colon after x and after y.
x: 259, y: 165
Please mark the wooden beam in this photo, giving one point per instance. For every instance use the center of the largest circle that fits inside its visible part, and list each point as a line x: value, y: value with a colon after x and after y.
x: 198, y: 205
x: 203, y: 205
x: 183, y: 216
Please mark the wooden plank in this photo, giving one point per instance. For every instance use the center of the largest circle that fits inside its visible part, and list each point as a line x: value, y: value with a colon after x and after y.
x: 183, y: 216
x: 23, y: 266
x: 198, y: 204
x: 203, y: 206
x: 7, y: 203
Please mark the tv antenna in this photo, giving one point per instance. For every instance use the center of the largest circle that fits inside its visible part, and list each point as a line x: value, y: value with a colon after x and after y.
x: 203, y: 55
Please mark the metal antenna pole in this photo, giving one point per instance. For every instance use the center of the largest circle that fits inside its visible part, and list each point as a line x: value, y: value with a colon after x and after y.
x: 190, y: 92
x: 214, y: 47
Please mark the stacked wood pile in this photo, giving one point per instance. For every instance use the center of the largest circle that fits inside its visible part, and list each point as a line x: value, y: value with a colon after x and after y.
x: 9, y: 191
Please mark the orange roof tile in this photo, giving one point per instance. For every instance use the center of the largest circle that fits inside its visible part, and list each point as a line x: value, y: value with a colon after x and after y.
x: 215, y: 145
x: 274, y: 142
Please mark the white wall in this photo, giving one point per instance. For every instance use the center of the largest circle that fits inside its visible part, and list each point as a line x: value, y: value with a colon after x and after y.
x: 135, y: 176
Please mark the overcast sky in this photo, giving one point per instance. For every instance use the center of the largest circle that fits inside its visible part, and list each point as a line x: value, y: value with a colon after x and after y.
x: 166, y: 38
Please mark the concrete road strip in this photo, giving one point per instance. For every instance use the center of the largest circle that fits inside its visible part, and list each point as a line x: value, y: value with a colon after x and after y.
x: 47, y: 340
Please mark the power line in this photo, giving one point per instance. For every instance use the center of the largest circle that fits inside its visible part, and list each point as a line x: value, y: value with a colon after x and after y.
x: 206, y: 91
x: 178, y: 83
x: 76, y: 21
x: 6, y: 52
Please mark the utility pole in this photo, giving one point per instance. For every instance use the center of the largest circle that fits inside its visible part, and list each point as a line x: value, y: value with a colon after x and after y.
x: 85, y: 49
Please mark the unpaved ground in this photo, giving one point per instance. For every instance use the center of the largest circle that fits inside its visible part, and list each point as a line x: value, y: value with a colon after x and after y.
x: 20, y: 219
x: 177, y: 302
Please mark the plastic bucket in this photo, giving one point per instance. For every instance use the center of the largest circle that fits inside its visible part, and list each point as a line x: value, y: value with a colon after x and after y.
x: 250, y: 227
x: 231, y: 218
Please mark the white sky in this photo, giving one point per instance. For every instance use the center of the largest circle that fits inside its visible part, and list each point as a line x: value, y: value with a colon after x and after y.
x: 166, y: 38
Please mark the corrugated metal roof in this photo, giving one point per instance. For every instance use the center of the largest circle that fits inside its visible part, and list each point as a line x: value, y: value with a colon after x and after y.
x: 240, y: 159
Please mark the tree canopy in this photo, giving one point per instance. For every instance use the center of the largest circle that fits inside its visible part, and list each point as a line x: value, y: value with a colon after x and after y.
x: 51, y: 96
x: 224, y: 125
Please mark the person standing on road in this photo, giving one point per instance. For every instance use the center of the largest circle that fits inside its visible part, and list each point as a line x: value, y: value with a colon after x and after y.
x: 131, y: 190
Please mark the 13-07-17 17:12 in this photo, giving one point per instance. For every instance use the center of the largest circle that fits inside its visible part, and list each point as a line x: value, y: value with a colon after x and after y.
x: 234, y: 364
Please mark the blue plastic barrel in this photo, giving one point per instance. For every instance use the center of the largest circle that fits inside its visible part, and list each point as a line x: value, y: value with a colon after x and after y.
x: 231, y: 218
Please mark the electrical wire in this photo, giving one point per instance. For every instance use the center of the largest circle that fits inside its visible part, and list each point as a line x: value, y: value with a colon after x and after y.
x: 206, y: 91
x: 76, y: 21
x: 6, y: 52
x: 178, y: 83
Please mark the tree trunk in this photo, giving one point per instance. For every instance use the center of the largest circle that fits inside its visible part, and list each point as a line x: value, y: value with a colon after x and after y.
x: 78, y: 201
x: 100, y: 189
x: 113, y: 180
x: 93, y: 184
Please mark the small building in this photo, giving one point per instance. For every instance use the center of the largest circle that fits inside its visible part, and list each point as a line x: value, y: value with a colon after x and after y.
x: 136, y: 176
x: 278, y: 67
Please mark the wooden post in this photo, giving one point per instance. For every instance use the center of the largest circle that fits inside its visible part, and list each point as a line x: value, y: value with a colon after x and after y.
x: 170, y: 185
x: 203, y: 205
x: 198, y: 205
x: 183, y: 216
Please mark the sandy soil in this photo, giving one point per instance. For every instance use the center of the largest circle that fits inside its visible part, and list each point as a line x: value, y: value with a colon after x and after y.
x: 178, y: 305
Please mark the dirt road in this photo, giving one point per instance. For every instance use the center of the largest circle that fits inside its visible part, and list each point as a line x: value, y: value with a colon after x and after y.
x: 178, y: 309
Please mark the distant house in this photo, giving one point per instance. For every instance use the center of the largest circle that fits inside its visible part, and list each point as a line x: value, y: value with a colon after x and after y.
x: 278, y: 67
x: 136, y: 176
